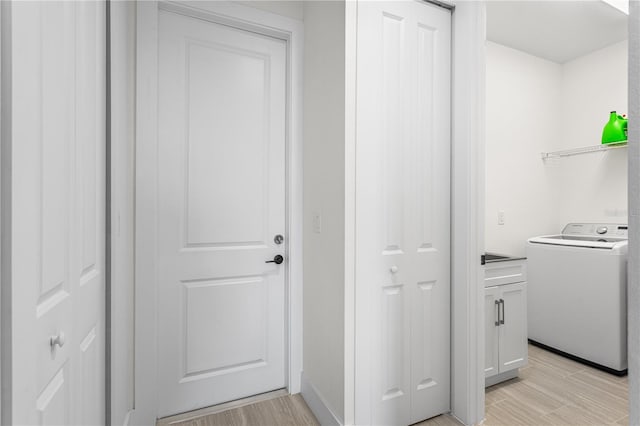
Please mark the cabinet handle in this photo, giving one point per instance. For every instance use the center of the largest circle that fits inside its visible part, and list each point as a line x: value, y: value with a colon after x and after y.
x: 498, y: 309
x: 502, y: 303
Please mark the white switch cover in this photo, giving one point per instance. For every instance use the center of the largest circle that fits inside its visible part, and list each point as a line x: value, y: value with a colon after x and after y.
x: 317, y: 222
x: 500, y: 217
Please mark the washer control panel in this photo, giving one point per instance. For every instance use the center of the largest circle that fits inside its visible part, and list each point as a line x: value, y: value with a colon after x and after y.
x: 618, y: 230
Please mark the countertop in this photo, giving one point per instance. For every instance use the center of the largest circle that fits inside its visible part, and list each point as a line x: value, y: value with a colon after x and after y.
x: 498, y: 257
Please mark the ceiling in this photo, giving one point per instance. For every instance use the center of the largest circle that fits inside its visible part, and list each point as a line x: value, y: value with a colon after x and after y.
x: 553, y: 29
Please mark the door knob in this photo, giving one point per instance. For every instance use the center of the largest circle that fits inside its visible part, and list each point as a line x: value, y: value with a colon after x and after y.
x: 57, y: 340
x: 277, y: 260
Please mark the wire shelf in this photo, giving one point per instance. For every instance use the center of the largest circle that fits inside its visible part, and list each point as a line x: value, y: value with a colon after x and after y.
x: 584, y: 150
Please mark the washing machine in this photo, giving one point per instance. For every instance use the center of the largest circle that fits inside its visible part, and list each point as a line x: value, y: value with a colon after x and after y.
x: 577, y: 293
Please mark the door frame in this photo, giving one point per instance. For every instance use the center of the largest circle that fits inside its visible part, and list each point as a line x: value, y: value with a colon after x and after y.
x: 633, y: 267
x: 467, y: 210
x: 146, y: 332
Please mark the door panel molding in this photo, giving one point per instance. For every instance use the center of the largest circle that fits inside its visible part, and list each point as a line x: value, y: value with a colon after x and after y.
x: 54, y: 185
x: 243, y: 17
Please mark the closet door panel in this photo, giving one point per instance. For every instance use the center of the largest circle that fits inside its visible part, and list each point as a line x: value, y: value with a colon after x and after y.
x: 402, y: 203
x: 428, y: 198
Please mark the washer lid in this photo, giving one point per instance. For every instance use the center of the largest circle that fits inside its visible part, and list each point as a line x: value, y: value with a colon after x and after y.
x: 607, y: 243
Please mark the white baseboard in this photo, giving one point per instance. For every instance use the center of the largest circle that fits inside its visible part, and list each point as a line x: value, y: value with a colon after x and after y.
x: 490, y: 381
x: 127, y: 418
x: 317, y: 404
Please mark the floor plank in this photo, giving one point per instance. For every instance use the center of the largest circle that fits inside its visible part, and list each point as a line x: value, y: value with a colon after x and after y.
x: 289, y: 410
x: 553, y: 390
x: 550, y: 391
x: 443, y: 420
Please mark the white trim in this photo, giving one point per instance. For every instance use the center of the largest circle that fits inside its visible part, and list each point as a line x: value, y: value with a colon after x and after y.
x: 350, y: 138
x: 127, y: 418
x: 467, y: 224
x: 494, y: 380
x: 244, y: 17
x: 2, y: 166
x: 317, y: 405
x: 633, y: 276
x: 6, y: 288
x: 145, y: 330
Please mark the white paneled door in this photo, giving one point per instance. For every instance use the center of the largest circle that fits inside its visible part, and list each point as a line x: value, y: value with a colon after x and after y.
x: 403, y: 195
x: 57, y: 252
x: 221, y: 206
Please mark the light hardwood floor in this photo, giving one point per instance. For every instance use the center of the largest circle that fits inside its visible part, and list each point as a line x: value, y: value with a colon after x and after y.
x: 551, y: 390
x: 287, y: 410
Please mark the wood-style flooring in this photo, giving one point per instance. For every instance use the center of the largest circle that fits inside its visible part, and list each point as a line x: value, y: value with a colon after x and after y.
x: 551, y: 390
x: 268, y: 409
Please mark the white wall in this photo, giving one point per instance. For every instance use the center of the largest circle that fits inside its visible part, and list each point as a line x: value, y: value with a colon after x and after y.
x: 289, y: 8
x: 122, y: 225
x: 534, y: 105
x: 591, y: 187
x: 324, y: 195
x: 523, y: 97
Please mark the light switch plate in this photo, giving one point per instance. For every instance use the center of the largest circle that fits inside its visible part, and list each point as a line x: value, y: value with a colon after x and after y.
x: 317, y: 222
x: 500, y: 217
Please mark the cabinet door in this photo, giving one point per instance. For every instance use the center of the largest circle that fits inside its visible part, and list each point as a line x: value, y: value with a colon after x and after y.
x: 491, y: 330
x: 513, y: 333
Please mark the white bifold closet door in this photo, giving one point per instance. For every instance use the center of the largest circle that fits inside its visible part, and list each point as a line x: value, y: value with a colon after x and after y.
x: 403, y: 211
x: 57, y: 196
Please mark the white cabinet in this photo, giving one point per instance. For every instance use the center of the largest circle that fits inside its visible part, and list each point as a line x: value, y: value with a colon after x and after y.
x: 505, y: 320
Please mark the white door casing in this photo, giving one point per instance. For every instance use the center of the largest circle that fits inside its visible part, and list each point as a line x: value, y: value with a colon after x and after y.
x: 58, y: 213
x: 403, y: 211
x: 221, y: 201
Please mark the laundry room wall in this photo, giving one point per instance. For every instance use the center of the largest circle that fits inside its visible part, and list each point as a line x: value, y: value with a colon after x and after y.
x: 533, y: 106
x: 523, y: 95
x: 591, y: 187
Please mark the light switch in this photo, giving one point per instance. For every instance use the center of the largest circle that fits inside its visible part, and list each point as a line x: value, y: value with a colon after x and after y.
x: 317, y: 222
x: 500, y: 217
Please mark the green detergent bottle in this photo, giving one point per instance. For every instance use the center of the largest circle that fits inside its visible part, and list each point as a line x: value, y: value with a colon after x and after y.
x: 615, y: 130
